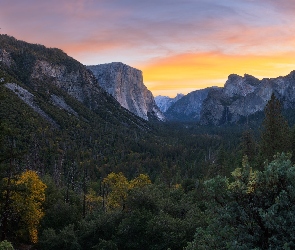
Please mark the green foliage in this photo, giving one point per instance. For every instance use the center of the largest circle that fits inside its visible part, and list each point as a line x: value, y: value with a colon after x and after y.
x: 66, y: 239
x: 275, y: 137
x: 254, y: 211
x: 61, y: 214
x: 6, y: 245
x: 94, y: 159
x: 106, y: 245
x: 156, y: 217
x: 249, y: 147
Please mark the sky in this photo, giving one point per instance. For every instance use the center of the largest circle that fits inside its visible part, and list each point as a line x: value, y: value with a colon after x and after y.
x: 179, y: 45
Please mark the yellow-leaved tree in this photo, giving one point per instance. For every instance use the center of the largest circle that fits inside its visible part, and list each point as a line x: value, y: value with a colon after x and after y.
x: 92, y: 200
x: 140, y: 181
x: 27, y: 201
x: 117, y: 187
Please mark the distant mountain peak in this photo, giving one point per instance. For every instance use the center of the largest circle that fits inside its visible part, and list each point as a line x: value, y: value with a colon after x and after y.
x: 178, y: 96
x: 165, y: 102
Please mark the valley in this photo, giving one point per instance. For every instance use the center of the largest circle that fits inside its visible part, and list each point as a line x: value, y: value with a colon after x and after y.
x: 116, y: 171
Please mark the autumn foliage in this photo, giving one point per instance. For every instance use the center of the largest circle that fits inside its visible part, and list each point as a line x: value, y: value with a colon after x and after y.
x: 117, y: 187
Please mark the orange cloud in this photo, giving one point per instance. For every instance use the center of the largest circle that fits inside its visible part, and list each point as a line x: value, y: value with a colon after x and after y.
x: 187, y: 72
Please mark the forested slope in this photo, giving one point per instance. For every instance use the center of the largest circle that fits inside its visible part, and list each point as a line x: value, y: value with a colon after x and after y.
x: 79, y: 172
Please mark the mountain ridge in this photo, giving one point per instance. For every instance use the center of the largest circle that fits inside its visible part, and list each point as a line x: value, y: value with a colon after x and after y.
x: 240, y: 97
x: 37, y: 69
x: 244, y: 96
x: 188, y: 107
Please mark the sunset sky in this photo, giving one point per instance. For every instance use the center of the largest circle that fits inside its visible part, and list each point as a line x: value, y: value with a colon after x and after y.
x: 180, y: 45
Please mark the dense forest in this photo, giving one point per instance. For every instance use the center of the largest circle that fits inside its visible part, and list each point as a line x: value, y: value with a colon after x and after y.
x: 105, y: 179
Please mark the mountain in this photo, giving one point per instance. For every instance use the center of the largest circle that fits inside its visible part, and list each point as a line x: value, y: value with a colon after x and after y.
x: 50, y: 73
x: 188, y: 107
x: 59, y: 113
x: 164, y: 102
x: 240, y: 98
x: 244, y: 96
x: 125, y: 84
x: 57, y: 120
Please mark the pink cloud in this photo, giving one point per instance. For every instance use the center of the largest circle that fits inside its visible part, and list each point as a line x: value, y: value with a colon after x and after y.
x: 151, y: 28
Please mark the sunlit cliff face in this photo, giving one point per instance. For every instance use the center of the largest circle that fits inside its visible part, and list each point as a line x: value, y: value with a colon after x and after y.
x: 179, y: 45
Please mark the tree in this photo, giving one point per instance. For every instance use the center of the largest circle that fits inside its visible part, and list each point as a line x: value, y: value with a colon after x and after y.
x: 9, y: 169
x: 141, y: 181
x: 254, y: 211
x: 275, y: 137
x: 27, y: 202
x: 248, y: 145
x: 6, y: 245
x: 92, y: 200
x: 117, y: 187
x: 66, y: 239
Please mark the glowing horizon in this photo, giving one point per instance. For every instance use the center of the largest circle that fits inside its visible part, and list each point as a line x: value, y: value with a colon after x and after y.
x: 199, y: 71
x: 180, y: 46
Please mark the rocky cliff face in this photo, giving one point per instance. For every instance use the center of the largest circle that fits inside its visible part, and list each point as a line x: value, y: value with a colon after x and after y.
x: 165, y: 102
x: 240, y: 97
x: 5, y: 57
x: 244, y: 96
x: 125, y: 84
x: 37, y: 74
x: 188, y: 107
x: 28, y: 98
x: 79, y: 83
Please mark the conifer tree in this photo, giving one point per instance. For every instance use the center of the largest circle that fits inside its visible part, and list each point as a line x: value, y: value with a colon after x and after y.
x: 8, y: 171
x: 275, y: 137
x: 248, y: 145
x: 254, y: 211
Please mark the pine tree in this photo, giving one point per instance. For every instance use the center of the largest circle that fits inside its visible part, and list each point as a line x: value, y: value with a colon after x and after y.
x: 275, y: 137
x: 8, y: 171
x: 254, y: 211
x: 248, y: 145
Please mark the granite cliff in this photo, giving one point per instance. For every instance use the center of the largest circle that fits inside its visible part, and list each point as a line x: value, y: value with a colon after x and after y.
x: 106, y: 88
x: 125, y: 84
x: 239, y: 98
x: 245, y: 96
x: 49, y: 77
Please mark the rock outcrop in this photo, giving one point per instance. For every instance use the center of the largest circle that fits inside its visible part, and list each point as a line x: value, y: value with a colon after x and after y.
x: 28, y: 98
x: 49, y: 80
x: 79, y: 82
x: 125, y: 84
x: 165, y: 102
x: 5, y: 58
x: 60, y: 102
x: 239, y: 98
x: 245, y: 96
